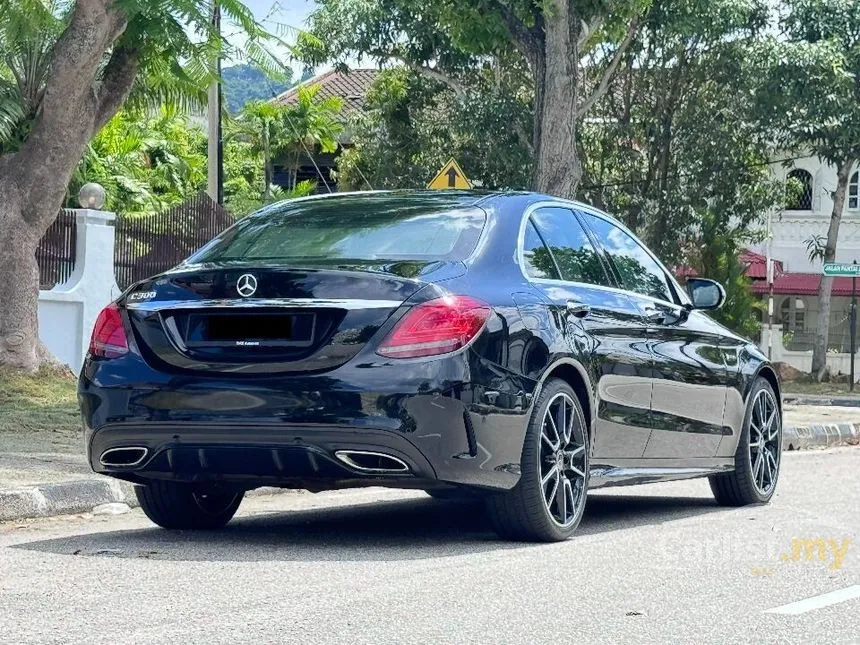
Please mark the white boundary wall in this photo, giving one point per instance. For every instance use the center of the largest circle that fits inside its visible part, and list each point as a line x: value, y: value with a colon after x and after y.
x: 68, y: 312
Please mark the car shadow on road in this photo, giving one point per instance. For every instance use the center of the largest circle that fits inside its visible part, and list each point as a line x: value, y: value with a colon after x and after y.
x: 411, y: 529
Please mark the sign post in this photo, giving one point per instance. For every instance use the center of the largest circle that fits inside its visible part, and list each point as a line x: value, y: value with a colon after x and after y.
x: 843, y: 269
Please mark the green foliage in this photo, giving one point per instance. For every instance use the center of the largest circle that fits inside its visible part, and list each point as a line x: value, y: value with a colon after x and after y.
x: 682, y: 155
x: 146, y: 163
x: 411, y: 126
x: 810, y: 91
x: 717, y: 259
x: 245, y: 83
x: 308, y: 123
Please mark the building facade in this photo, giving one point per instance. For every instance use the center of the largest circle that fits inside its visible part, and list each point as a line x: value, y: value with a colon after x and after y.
x: 794, y: 231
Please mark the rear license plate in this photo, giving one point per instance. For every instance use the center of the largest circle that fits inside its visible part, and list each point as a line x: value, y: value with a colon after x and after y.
x: 250, y: 330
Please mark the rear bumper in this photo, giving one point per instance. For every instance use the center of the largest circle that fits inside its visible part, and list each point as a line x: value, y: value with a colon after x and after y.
x: 286, y: 431
x: 293, y: 456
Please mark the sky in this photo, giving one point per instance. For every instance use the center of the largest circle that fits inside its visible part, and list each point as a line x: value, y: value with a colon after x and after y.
x: 277, y: 14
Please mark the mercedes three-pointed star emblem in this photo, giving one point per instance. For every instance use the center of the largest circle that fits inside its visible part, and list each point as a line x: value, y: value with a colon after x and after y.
x: 246, y: 285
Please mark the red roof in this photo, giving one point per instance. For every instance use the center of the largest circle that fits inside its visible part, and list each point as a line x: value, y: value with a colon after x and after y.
x: 756, y: 265
x: 350, y: 86
x: 801, y: 284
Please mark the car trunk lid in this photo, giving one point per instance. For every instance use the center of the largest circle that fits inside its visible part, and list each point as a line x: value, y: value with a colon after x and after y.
x: 263, y: 319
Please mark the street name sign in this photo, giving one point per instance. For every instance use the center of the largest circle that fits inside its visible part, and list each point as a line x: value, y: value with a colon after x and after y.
x: 841, y: 269
x: 450, y: 176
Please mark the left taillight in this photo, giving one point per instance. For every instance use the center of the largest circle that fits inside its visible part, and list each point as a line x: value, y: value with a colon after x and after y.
x: 109, y: 339
x: 436, y: 327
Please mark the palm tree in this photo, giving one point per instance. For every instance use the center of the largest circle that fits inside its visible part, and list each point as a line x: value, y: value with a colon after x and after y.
x: 261, y: 123
x: 309, y: 123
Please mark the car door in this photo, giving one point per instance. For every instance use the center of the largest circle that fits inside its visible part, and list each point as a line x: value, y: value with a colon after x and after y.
x: 688, y: 366
x: 562, y: 262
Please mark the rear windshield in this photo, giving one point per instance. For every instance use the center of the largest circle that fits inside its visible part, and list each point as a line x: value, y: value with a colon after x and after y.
x: 355, y: 229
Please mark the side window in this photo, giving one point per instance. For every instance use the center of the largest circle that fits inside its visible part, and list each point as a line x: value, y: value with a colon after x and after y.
x: 574, y: 254
x: 637, y: 270
x: 537, y: 259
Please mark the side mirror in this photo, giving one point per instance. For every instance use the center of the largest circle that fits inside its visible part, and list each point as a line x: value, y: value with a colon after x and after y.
x: 705, y: 294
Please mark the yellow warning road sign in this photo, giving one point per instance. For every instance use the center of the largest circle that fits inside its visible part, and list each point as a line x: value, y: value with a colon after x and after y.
x: 451, y: 176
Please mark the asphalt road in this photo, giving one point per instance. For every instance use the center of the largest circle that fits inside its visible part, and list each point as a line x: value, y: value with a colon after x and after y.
x: 658, y: 563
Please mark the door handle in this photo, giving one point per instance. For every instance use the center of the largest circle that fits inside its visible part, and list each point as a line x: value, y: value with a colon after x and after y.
x: 578, y: 309
x: 655, y: 315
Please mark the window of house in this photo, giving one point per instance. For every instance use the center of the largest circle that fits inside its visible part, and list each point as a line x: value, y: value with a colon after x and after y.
x: 792, y: 314
x: 638, y: 271
x: 854, y: 191
x: 801, y: 201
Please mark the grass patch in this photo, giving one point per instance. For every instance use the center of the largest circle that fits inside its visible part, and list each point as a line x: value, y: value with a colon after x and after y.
x: 801, y: 387
x: 44, y: 401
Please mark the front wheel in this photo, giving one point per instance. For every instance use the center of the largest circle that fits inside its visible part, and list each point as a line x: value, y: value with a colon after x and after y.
x: 757, y: 459
x: 175, y: 505
x: 547, y: 503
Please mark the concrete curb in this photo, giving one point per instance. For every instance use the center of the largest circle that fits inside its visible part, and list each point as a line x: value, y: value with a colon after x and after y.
x: 820, y: 435
x: 79, y: 496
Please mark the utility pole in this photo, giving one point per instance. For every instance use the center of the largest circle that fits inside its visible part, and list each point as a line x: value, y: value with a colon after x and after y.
x: 853, y: 327
x: 769, y: 287
x: 215, y: 179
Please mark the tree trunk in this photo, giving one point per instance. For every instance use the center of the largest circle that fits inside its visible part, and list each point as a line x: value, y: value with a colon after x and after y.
x: 267, y: 160
x: 81, y: 93
x: 19, y: 288
x: 557, y: 168
x: 822, y: 327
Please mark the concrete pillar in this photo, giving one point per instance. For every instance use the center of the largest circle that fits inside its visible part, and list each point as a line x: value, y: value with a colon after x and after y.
x: 68, y: 312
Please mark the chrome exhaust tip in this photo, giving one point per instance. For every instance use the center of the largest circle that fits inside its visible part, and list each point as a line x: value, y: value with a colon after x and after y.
x: 125, y: 457
x: 372, y: 462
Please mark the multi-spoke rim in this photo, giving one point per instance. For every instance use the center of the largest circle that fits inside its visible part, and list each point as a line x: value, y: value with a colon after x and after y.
x: 563, y: 460
x: 765, y: 439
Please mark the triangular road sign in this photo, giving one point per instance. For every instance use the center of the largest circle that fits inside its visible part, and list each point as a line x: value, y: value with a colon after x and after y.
x: 450, y: 176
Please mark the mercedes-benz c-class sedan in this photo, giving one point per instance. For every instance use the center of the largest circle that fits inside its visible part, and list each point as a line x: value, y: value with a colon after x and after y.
x: 508, y: 346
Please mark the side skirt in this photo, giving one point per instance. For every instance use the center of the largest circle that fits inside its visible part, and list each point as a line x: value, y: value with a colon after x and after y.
x: 646, y: 471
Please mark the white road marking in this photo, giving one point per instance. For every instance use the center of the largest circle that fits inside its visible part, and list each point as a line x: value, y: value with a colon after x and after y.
x: 817, y: 602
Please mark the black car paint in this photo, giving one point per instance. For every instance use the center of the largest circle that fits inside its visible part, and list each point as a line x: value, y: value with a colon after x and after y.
x: 457, y: 419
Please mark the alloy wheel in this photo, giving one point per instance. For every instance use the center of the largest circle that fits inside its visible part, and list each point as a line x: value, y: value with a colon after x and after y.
x: 563, y: 460
x: 764, y: 442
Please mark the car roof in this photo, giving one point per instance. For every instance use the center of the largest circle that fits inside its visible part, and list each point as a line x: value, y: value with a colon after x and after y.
x: 431, y: 199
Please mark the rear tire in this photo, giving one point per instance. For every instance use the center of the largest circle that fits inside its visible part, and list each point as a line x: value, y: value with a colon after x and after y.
x: 758, y: 457
x: 175, y: 505
x: 534, y: 508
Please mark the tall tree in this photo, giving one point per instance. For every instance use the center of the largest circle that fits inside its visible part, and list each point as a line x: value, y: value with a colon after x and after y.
x: 261, y: 122
x: 91, y: 55
x: 572, y: 49
x: 681, y: 153
x: 310, y: 122
x: 812, y: 92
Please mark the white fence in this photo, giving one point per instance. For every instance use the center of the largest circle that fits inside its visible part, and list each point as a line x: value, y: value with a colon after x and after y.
x: 839, y: 363
x: 68, y: 312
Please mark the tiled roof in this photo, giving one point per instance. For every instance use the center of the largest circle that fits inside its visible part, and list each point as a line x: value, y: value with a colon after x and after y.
x: 755, y: 263
x: 350, y: 86
x: 802, y: 284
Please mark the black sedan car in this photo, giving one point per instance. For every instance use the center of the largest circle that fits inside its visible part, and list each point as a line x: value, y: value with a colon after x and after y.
x: 509, y: 346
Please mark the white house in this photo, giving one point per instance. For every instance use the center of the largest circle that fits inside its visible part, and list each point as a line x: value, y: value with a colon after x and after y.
x: 796, y: 277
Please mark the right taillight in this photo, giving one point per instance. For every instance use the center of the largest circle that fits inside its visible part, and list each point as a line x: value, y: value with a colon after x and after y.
x: 436, y: 327
x: 109, y: 339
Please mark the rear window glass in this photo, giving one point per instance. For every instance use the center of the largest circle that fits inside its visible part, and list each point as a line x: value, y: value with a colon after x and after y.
x: 349, y: 229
